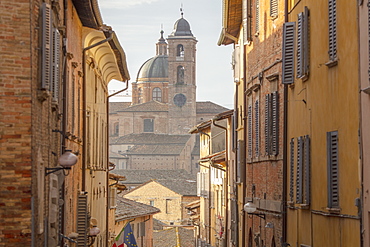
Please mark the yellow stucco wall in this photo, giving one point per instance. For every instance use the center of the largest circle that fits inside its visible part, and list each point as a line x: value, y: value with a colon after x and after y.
x: 327, y: 101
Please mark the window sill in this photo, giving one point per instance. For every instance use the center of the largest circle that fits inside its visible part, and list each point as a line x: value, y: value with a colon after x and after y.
x: 333, y: 210
x: 332, y: 63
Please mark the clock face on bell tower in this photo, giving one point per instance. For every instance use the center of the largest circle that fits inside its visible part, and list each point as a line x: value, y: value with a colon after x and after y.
x: 179, y: 99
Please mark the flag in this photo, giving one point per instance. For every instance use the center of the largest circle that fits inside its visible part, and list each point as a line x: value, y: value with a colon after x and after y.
x: 126, y: 236
x: 129, y: 238
x: 118, y: 241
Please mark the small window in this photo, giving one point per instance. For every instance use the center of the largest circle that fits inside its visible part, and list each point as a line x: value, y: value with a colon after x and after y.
x: 333, y: 169
x: 116, y: 129
x: 180, y: 74
x: 149, y: 125
x: 151, y: 203
x: 180, y: 51
x: 157, y: 94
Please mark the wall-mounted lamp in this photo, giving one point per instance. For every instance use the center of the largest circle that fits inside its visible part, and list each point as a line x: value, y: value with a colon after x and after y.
x: 251, y: 208
x: 66, y: 161
x: 94, y: 231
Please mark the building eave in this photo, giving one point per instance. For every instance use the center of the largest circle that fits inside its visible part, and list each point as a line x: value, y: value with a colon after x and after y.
x: 232, y: 21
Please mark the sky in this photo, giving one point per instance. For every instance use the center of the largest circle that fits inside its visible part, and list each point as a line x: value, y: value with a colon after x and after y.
x: 137, y: 24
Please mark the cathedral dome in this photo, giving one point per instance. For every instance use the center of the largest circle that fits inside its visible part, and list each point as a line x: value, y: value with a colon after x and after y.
x: 154, y: 68
x: 181, y: 28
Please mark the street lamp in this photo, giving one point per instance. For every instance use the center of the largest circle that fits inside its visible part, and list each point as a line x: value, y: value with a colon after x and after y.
x: 251, y: 208
x: 66, y: 161
x: 94, y: 231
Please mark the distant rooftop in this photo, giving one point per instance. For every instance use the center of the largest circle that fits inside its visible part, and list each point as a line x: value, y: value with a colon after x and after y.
x: 128, y: 209
x: 142, y: 176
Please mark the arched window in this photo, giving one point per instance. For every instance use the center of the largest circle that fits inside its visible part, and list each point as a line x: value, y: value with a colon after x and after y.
x: 116, y: 129
x: 157, y: 94
x: 180, y: 74
x: 180, y: 51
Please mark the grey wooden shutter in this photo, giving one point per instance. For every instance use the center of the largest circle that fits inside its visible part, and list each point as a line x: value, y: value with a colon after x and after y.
x: 300, y: 45
x: 247, y: 21
x: 55, y: 65
x: 288, y: 52
x: 240, y: 166
x: 307, y: 172
x: 275, y: 123
x: 332, y: 30
x: 291, y: 183
x: 257, y: 128
x: 268, y: 124
x: 299, y: 177
x: 46, y: 46
x: 333, y: 166
x: 273, y: 8
x: 82, y: 220
x: 306, y: 42
x: 250, y: 131
x: 257, y: 16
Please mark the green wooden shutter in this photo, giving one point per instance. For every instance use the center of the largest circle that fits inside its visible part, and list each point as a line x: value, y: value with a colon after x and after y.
x: 288, y: 52
x: 332, y: 30
x: 46, y: 72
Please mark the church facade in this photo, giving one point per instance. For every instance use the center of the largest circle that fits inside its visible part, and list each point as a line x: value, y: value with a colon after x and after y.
x: 152, y: 131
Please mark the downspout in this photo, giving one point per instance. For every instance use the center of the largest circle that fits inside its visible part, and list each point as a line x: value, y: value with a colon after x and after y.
x: 227, y: 173
x: 84, y: 104
x: 245, y: 124
x: 107, y: 148
x: 285, y: 151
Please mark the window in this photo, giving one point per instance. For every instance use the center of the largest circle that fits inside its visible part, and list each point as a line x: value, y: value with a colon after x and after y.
x: 291, y: 177
x: 180, y: 74
x: 288, y: 52
x: 157, y: 94
x: 149, y: 125
x: 272, y: 123
x: 333, y: 169
x: 303, y: 44
x: 247, y: 21
x: 273, y: 8
x: 240, y: 169
x: 140, y: 96
x: 168, y: 202
x: 332, y: 30
x: 257, y: 127
x: 180, y: 51
x: 116, y: 129
x: 151, y: 203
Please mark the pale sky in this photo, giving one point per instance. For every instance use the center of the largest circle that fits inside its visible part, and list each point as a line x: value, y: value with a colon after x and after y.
x: 138, y: 23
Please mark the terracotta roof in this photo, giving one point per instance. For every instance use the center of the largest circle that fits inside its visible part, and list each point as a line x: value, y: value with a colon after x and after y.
x: 128, y: 209
x: 185, y: 187
x: 209, y: 107
x: 147, y: 106
x: 168, y: 237
x: 150, y: 138
x: 171, y: 149
x: 142, y: 176
x: 116, y: 106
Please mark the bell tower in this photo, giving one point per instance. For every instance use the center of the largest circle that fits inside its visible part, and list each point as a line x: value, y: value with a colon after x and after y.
x: 181, y: 78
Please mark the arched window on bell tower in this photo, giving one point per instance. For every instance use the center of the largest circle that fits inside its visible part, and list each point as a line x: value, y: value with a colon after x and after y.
x: 157, y: 94
x: 180, y: 74
x: 180, y: 51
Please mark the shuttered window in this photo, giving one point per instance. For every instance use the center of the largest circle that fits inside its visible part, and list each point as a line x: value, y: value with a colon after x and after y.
x: 307, y: 170
x: 288, y: 52
x: 149, y: 125
x: 273, y: 8
x: 299, y: 178
x: 247, y: 21
x: 333, y: 169
x: 82, y: 220
x: 250, y: 139
x: 55, y: 65
x: 291, y: 177
x: 257, y: 127
x: 257, y: 17
x: 46, y: 72
x: 240, y: 166
x: 272, y: 123
x: 303, y: 44
x: 332, y: 30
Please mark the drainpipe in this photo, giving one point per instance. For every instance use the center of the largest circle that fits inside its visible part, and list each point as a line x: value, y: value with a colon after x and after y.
x: 245, y: 124
x: 227, y: 174
x: 285, y: 151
